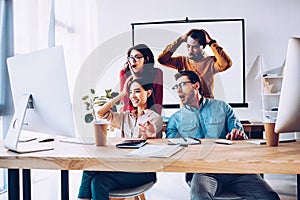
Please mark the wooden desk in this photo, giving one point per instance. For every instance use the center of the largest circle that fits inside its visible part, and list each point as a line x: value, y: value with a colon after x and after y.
x: 253, y: 130
x: 241, y: 157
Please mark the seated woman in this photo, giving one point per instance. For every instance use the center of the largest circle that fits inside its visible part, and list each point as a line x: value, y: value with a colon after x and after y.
x: 140, y: 63
x: 141, y: 122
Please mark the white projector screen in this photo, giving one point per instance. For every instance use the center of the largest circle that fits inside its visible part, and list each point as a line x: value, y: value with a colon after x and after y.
x: 229, y: 33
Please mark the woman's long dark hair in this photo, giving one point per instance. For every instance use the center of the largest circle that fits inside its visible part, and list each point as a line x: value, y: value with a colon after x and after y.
x: 148, y: 64
x: 146, y: 86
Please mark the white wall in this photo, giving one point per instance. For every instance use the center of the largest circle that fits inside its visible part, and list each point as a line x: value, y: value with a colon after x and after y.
x: 268, y: 23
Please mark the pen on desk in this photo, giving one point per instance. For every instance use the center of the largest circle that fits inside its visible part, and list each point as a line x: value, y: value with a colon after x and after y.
x: 197, y: 139
x: 182, y: 137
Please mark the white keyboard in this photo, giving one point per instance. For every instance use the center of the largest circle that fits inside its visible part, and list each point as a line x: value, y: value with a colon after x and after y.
x: 77, y: 140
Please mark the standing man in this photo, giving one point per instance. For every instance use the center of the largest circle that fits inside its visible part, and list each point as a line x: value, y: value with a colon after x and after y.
x: 205, y: 66
x: 208, y: 118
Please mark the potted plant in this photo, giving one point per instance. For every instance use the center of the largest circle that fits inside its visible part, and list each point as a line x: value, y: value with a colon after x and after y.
x: 93, y: 100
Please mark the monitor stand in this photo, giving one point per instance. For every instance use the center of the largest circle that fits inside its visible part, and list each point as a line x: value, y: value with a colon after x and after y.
x: 13, y: 134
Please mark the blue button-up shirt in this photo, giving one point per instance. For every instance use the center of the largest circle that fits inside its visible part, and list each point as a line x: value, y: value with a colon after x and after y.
x: 213, y: 119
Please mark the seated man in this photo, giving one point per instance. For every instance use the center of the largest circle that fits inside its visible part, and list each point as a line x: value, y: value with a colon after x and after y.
x: 207, y: 118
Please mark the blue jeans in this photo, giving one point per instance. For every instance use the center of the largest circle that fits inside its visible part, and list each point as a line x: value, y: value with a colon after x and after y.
x: 97, y: 184
x: 248, y: 186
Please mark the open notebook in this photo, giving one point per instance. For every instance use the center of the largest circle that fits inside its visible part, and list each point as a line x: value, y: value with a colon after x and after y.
x: 158, y: 151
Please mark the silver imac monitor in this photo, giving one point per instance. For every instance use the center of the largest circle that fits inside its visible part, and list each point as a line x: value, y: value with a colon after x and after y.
x: 41, y: 97
x: 288, y: 118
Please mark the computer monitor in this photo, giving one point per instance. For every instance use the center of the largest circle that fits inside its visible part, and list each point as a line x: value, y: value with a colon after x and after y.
x: 288, y: 118
x: 41, y: 96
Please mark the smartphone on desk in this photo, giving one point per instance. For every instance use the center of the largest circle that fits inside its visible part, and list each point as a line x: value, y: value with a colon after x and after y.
x: 132, y: 143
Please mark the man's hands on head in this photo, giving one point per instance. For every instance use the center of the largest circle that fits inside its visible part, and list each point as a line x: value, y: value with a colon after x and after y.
x: 185, y: 36
x: 207, y: 36
x: 236, y: 134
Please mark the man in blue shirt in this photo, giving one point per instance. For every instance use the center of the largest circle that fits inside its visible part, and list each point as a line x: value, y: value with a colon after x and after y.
x: 208, y: 118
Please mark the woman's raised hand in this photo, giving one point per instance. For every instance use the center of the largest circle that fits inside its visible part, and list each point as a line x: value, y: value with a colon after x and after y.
x: 126, y: 84
x: 147, y: 130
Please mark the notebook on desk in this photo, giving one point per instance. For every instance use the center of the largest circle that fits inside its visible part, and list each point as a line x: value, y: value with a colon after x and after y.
x: 157, y: 151
x: 184, y: 141
x: 132, y: 144
x: 262, y: 141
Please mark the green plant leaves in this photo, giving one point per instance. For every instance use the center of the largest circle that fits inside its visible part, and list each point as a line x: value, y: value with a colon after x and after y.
x: 90, y: 101
x: 108, y: 93
x: 85, y: 97
x: 88, y: 118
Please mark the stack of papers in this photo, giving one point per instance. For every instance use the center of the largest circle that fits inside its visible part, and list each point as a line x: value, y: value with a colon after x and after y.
x: 158, y: 151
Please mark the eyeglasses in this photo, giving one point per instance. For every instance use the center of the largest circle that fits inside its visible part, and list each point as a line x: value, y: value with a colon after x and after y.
x: 135, y: 58
x: 180, y: 85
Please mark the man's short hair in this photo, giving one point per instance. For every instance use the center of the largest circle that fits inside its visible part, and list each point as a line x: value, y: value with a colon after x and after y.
x: 192, y: 76
x: 198, y: 35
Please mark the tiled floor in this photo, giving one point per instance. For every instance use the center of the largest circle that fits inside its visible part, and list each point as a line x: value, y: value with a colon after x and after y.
x: 170, y: 186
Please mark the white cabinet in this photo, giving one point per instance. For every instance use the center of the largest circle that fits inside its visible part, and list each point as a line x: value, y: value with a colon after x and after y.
x: 271, y: 94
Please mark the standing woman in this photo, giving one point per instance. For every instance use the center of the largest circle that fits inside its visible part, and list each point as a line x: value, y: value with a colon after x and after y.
x: 141, y: 122
x: 140, y: 63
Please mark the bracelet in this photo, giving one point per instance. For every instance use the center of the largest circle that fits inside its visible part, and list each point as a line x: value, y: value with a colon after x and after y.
x: 212, y: 42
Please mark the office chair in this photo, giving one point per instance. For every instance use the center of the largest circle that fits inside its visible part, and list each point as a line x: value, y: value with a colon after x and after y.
x: 137, y: 193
